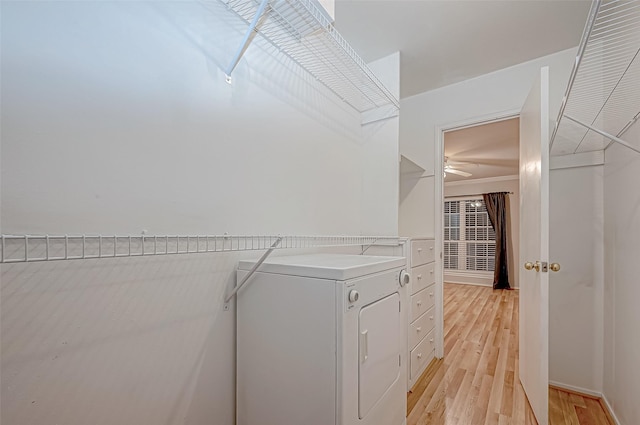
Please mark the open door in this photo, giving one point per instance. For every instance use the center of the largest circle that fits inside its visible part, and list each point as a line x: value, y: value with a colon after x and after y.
x: 534, y: 247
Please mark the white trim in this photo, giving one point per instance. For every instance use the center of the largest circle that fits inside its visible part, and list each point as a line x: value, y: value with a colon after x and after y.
x: 610, y: 409
x: 484, y: 285
x: 480, y: 120
x: 462, y: 198
x: 477, y: 274
x: 575, y: 389
x: 483, y: 180
x: 584, y: 159
x: 438, y: 191
x: 471, y: 278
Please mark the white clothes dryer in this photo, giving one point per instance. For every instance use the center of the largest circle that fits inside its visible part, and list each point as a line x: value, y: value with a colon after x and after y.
x: 321, y: 340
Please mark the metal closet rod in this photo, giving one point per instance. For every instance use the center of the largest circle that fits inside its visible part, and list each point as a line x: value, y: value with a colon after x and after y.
x: 34, y: 248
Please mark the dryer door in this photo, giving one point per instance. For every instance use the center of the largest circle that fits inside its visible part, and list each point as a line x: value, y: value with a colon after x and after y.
x: 379, y: 327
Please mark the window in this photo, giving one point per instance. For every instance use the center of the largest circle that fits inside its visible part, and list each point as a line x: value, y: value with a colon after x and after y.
x: 469, y: 238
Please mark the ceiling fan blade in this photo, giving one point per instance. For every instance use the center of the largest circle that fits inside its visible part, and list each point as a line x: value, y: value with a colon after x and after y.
x: 458, y: 172
x: 496, y: 162
x: 456, y: 162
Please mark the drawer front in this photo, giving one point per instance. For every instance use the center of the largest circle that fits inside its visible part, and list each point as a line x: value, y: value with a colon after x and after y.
x: 423, y: 251
x: 421, y: 327
x: 422, y: 301
x: 422, y: 354
x: 422, y: 276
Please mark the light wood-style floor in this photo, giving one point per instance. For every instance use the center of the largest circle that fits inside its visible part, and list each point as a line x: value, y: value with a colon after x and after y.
x: 570, y: 408
x: 477, y: 382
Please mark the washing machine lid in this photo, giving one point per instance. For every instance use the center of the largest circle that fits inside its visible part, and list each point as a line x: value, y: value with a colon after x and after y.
x: 326, y: 266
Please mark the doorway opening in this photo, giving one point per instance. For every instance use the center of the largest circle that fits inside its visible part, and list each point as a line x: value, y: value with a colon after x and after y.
x: 478, y: 160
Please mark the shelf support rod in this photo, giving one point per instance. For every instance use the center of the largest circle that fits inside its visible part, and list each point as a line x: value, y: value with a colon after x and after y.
x: 274, y: 245
x: 380, y: 119
x: 625, y: 128
x: 246, y: 40
x: 604, y: 133
x: 364, y: 249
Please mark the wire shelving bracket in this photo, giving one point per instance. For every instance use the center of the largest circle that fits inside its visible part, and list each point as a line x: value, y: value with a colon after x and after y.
x: 304, y: 32
x: 36, y: 248
x: 602, y: 99
x: 246, y: 278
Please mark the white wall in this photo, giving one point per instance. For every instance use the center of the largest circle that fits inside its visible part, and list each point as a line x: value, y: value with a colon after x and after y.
x: 622, y: 288
x: 576, y: 220
x: 416, y: 213
x: 116, y: 117
x: 142, y: 105
x: 498, y: 92
x: 467, y: 187
x: 504, y: 91
x: 380, y: 160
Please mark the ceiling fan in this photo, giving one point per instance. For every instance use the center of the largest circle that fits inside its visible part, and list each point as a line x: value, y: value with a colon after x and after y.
x: 449, y: 167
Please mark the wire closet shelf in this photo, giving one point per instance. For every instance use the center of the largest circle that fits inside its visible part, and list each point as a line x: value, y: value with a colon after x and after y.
x: 302, y: 31
x: 34, y: 248
x: 602, y: 99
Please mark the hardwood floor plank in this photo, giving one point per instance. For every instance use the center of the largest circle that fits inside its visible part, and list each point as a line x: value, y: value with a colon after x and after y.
x: 460, y: 402
x: 556, y: 416
x: 482, y: 403
x: 430, y: 377
x: 506, y: 406
x: 577, y: 400
x: 454, y: 385
x: 478, y: 382
x: 597, y: 412
x: 585, y: 416
x: 606, y: 413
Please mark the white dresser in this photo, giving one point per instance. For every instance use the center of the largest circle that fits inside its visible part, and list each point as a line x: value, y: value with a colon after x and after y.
x: 422, y: 310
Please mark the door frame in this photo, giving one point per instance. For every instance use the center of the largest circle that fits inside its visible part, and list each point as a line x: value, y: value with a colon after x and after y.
x: 439, y: 203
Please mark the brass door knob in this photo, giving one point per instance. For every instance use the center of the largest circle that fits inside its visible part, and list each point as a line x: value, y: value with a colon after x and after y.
x: 530, y: 266
x: 555, y: 267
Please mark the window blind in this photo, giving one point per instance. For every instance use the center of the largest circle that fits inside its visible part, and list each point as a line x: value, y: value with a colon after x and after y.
x: 469, y: 238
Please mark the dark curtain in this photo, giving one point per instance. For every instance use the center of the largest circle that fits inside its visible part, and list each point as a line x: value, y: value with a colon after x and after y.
x: 498, y: 209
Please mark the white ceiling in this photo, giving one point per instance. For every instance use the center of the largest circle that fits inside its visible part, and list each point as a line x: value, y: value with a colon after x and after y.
x: 444, y: 42
x: 492, y: 150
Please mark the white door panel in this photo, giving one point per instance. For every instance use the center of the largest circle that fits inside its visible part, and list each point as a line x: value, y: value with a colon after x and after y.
x: 379, y: 347
x: 534, y: 246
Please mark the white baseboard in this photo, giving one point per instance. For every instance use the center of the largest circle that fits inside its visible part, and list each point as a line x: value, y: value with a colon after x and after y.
x: 487, y: 285
x: 611, y: 412
x: 591, y: 393
x: 575, y: 389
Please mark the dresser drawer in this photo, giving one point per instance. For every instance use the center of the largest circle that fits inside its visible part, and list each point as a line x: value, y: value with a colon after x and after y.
x: 421, y: 327
x: 422, y: 251
x: 422, y: 354
x: 421, y: 302
x: 422, y: 276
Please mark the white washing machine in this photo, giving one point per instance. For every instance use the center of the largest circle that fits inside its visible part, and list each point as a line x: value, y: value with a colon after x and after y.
x: 321, y: 340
